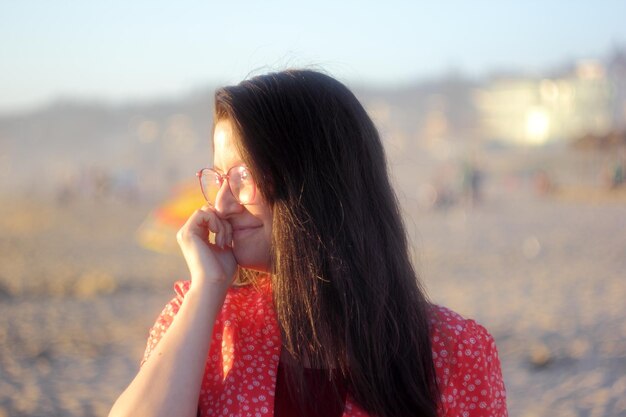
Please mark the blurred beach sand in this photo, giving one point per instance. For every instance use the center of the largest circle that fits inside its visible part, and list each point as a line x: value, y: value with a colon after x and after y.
x: 546, y: 276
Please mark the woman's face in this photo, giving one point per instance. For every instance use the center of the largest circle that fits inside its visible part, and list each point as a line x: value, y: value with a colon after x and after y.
x: 251, y: 223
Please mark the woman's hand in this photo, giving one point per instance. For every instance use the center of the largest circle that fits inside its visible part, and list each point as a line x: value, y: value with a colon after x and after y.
x: 209, y: 264
x: 168, y: 383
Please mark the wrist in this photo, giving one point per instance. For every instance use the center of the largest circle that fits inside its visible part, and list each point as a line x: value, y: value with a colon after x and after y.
x: 210, y: 287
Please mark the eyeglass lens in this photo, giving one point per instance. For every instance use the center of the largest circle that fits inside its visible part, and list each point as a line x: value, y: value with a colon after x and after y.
x: 239, y: 180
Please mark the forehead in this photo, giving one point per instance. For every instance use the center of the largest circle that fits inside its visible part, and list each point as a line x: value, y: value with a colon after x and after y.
x: 225, y: 152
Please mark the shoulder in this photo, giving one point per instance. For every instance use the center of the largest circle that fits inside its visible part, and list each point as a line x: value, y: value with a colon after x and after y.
x: 450, y: 330
x: 466, y: 364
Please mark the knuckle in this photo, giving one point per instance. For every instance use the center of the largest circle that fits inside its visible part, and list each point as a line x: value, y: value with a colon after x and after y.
x: 182, y: 234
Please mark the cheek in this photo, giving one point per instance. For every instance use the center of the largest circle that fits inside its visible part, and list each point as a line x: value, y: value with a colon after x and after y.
x: 268, y: 235
x: 269, y: 232
x: 266, y: 216
x: 263, y: 212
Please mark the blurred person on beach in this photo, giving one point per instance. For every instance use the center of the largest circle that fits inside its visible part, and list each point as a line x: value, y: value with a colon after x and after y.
x: 302, y: 299
x: 618, y: 177
x: 471, y: 182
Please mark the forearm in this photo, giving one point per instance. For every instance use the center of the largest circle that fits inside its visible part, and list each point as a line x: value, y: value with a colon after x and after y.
x: 169, y: 381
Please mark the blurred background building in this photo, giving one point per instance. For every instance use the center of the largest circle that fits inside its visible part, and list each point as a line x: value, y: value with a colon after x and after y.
x: 587, y: 99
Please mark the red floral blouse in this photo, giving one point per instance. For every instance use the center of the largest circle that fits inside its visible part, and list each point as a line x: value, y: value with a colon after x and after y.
x: 242, y: 363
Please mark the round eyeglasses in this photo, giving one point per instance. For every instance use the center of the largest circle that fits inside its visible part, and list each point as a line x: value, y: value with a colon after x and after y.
x: 239, y: 181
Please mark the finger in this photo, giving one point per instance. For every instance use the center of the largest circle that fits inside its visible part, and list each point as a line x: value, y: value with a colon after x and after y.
x: 224, y: 236
x: 219, y: 227
x: 215, y: 226
x: 202, y: 223
x: 208, y: 210
x: 223, y: 233
x: 228, y: 233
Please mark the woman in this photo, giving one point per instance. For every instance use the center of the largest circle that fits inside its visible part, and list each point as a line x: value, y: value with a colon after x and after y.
x: 306, y: 303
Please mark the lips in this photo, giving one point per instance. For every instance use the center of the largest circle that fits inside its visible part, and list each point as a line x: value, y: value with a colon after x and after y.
x: 242, y: 231
x: 241, y: 227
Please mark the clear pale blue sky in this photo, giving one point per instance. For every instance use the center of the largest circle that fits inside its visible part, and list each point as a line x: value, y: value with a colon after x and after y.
x: 127, y: 50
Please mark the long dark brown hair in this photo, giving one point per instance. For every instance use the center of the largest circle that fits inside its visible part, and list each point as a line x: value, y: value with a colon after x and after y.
x: 345, y: 291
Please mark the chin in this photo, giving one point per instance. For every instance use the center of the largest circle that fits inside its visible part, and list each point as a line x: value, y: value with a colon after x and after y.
x: 252, y: 259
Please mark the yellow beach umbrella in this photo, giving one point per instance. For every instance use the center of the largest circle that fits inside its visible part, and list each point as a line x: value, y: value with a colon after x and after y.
x: 158, y: 231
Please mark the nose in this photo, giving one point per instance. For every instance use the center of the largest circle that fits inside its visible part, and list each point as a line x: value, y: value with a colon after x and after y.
x: 225, y: 202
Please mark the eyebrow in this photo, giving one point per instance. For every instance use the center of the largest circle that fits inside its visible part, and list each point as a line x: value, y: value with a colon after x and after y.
x: 221, y: 171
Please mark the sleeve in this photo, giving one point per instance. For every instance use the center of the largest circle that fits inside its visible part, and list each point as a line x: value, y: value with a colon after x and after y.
x: 165, y: 319
x: 475, y: 387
